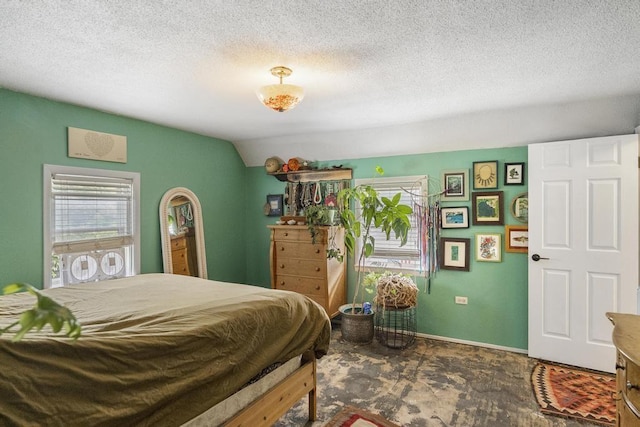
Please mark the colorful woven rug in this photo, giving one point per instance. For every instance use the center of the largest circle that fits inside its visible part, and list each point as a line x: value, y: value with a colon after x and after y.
x: 574, y: 393
x: 355, y: 417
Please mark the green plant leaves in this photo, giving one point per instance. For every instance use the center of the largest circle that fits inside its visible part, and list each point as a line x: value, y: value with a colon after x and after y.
x: 45, y: 311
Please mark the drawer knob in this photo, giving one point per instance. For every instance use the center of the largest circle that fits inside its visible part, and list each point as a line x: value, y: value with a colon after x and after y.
x: 282, y: 283
x: 286, y: 234
x: 281, y: 265
x: 631, y: 386
x: 318, y: 288
x: 317, y: 268
x: 282, y: 248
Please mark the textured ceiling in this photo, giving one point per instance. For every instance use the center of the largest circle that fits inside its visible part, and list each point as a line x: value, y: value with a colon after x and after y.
x: 381, y: 77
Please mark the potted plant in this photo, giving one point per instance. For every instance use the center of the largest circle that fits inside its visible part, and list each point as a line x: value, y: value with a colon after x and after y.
x: 375, y: 212
x: 317, y: 215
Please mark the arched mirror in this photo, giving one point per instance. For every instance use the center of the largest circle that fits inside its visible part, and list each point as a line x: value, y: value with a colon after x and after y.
x: 520, y: 207
x: 182, y: 233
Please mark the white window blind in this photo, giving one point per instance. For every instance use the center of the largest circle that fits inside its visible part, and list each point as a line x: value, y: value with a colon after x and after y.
x: 91, y: 224
x: 91, y: 213
x: 388, y: 254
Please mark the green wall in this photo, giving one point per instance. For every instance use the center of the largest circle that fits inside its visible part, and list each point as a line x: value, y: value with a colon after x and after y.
x: 497, y: 292
x: 33, y: 131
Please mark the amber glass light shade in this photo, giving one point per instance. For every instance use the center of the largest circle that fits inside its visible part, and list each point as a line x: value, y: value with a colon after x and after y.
x: 280, y: 97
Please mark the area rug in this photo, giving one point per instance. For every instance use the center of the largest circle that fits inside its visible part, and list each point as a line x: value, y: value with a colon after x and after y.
x: 574, y: 393
x: 356, y: 417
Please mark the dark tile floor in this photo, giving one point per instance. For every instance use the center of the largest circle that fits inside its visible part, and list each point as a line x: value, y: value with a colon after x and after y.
x: 431, y: 383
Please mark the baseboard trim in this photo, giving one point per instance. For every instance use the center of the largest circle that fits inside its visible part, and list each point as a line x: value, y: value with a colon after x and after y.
x: 474, y: 343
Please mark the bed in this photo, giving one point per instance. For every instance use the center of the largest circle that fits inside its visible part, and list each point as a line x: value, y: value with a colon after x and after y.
x: 163, y: 349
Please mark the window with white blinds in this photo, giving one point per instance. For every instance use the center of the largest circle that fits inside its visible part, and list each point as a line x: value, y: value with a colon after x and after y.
x: 92, y: 217
x: 388, y: 254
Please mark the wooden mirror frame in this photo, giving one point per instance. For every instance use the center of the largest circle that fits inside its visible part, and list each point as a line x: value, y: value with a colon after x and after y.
x: 165, y: 234
x: 513, y: 207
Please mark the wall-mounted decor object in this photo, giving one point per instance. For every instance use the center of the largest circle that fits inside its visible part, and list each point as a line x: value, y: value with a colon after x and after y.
x: 455, y: 253
x: 520, y: 207
x: 485, y: 175
x: 489, y: 247
x: 88, y: 144
x: 274, y: 204
x: 516, y: 238
x: 487, y: 208
x: 455, y: 185
x: 454, y: 217
x: 514, y: 173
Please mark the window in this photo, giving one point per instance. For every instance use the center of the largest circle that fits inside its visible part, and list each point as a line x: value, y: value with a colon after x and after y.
x: 91, y: 225
x: 388, y: 254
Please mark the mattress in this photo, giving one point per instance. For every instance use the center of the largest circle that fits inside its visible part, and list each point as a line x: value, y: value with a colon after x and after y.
x: 156, y: 349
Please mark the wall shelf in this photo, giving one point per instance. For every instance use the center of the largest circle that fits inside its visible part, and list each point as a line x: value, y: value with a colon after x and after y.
x: 334, y: 174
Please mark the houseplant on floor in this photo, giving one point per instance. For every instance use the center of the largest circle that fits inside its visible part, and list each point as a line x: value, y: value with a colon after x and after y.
x: 362, y: 211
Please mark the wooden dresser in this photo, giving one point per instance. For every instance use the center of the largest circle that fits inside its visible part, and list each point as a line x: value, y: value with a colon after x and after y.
x: 626, y: 338
x: 183, y: 254
x: 301, y: 266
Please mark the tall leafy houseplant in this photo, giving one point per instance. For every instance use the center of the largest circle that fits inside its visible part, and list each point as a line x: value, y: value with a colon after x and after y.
x: 375, y: 213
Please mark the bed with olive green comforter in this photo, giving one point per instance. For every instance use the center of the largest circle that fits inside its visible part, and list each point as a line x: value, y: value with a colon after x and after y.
x: 155, y: 349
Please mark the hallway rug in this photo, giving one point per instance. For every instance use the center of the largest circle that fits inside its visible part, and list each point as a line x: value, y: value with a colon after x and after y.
x: 351, y: 416
x: 575, y: 393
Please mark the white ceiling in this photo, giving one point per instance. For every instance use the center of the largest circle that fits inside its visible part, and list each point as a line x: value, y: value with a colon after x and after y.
x: 381, y: 77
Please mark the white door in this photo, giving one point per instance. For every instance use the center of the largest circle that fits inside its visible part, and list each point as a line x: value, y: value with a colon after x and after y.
x: 583, y: 226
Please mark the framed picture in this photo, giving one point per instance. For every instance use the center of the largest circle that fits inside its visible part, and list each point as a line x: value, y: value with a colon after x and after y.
x: 454, y: 254
x: 487, y: 208
x: 274, y: 205
x: 489, y: 247
x: 514, y: 173
x: 485, y: 175
x: 455, y: 185
x: 457, y: 217
x: 516, y: 238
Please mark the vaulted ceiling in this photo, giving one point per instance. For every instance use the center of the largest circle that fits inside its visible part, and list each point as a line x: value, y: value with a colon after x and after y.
x: 381, y: 77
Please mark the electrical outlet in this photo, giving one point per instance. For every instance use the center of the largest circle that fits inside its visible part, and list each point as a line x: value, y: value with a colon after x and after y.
x: 461, y: 300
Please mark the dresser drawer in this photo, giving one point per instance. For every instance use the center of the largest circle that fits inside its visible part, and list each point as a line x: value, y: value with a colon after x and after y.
x: 179, y: 264
x: 303, y: 285
x: 300, y: 250
x: 631, y: 386
x: 300, y: 234
x: 178, y: 243
x: 301, y: 267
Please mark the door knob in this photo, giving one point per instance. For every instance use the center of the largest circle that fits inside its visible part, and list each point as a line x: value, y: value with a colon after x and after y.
x: 537, y: 257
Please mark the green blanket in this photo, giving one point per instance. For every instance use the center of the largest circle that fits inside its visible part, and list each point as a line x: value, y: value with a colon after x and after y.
x: 156, y: 349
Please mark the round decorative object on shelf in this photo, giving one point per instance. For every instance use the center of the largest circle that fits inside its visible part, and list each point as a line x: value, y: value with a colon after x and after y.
x: 294, y: 164
x: 272, y: 165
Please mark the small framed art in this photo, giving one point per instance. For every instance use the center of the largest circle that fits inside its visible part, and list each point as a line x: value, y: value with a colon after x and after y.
x: 485, y: 175
x: 454, y: 254
x: 517, y: 238
x: 489, y: 247
x: 487, y: 208
x: 514, y: 173
x: 273, y: 207
x: 455, y: 184
x: 457, y: 217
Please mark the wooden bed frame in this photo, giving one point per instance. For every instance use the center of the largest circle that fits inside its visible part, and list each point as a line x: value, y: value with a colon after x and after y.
x: 269, y: 407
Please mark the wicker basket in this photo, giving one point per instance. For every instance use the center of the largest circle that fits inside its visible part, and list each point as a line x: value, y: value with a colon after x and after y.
x: 356, y: 328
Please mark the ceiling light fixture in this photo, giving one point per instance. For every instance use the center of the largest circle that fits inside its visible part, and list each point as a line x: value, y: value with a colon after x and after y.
x: 280, y: 97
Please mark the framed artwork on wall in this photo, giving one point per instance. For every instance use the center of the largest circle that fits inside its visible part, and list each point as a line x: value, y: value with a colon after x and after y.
x: 454, y: 254
x: 455, y: 184
x: 514, y: 173
x: 487, y: 208
x: 273, y: 207
x: 489, y: 247
x: 517, y: 238
x: 485, y: 175
x: 454, y: 217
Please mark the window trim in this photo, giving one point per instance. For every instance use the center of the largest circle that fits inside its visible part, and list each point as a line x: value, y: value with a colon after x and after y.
x: 51, y: 170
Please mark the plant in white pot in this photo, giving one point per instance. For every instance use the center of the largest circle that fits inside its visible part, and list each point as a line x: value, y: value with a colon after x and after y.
x: 363, y: 210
